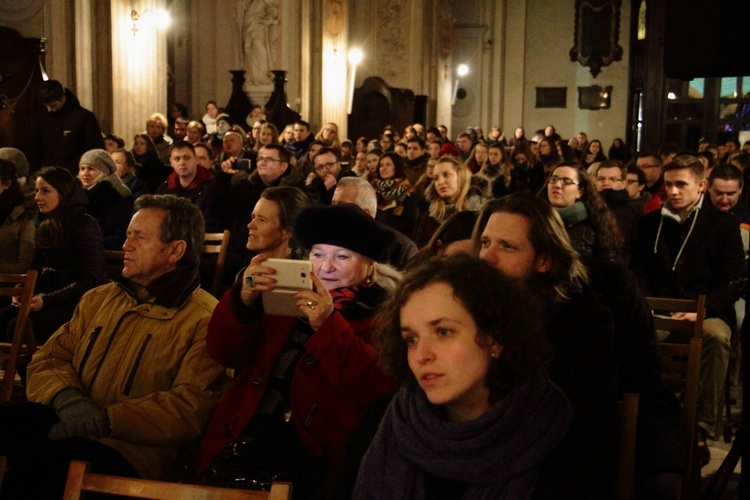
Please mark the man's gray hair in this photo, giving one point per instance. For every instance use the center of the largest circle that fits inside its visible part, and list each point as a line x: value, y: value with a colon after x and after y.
x: 367, y: 198
x: 183, y: 220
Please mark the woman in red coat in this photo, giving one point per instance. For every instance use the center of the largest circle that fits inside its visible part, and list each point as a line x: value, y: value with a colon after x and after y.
x: 301, y: 384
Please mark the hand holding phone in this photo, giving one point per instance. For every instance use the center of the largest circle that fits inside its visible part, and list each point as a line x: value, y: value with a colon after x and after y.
x: 290, y: 277
x: 257, y: 278
x: 317, y: 304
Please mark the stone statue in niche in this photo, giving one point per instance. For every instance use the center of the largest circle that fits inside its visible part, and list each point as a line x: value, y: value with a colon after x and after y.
x: 335, y: 21
x: 259, y: 21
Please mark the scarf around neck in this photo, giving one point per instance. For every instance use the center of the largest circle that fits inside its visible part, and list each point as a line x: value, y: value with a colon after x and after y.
x: 573, y: 214
x: 497, y: 455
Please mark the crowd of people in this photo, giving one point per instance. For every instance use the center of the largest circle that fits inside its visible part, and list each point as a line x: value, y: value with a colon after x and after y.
x: 477, y: 306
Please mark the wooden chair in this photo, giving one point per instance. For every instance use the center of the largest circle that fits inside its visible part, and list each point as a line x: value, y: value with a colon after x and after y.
x: 628, y: 430
x: 113, y: 261
x: 22, y: 346
x: 81, y: 480
x: 217, y: 243
x: 681, y: 372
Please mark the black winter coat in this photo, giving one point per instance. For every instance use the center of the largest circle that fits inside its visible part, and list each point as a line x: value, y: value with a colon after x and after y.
x: 583, y: 365
x: 711, y: 259
x: 61, y: 138
x: 112, y: 212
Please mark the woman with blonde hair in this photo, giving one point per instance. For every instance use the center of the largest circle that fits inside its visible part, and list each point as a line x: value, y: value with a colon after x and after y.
x: 267, y: 134
x: 478, y: 157
x: 301, y: 383
x: 195, y: 132
x: 452, y: 190
x: 156, y: 128
x: 287, y: 136
x: 329, y: 135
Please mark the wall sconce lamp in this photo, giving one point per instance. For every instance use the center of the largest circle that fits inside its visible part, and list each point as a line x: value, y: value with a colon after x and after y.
x: 355, y: 57
x: 461, y: 71
x: 160, y: 19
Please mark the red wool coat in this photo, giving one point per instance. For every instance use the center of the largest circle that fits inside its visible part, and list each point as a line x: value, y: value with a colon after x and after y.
x: 332, y: 383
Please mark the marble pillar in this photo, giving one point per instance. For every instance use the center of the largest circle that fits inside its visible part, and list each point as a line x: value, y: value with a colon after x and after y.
x: 334, y: 75
x: 139, y: 68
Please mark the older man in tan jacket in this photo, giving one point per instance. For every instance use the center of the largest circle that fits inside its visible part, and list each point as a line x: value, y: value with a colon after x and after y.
x: 126, y: 384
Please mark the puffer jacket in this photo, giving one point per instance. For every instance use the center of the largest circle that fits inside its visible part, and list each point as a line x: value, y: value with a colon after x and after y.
x: 146, y: 362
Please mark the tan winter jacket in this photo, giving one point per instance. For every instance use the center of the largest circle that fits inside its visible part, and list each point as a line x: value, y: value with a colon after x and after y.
x: 145, y: 362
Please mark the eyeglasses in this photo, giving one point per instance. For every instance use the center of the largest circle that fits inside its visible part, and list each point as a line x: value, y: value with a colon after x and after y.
x: 325, y: 166
x: 610, y: 179
x: 632, y: 181
x: 566, y: 181
x: 264, y: 159
x: 644, y: 167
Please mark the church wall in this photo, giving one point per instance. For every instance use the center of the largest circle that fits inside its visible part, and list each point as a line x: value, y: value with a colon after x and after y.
x: 514, y: 46
x: 548, y: 38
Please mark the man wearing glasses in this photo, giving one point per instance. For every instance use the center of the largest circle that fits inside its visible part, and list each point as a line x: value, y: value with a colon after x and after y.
x: 273, y: 169
x: 610, y: 181
x: 650, y: 165
x: 327, y: 168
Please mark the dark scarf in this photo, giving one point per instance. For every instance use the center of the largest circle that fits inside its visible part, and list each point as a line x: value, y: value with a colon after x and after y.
x: 491, y: 171
x: 497, y: 455
x: 344, y: 296
x: 573, y: 214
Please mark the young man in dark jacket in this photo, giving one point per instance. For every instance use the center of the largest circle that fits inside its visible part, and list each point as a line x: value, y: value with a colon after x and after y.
x: 686, y: 249
x: 64, y: 131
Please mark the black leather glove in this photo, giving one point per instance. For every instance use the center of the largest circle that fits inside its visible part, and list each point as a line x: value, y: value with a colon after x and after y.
x: 79, y: 416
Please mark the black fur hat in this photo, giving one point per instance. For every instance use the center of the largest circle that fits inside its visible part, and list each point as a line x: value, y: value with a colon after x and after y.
x: 345, y: 225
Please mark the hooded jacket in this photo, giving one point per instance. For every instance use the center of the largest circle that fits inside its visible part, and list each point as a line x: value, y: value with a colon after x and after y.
x: 700, y: 255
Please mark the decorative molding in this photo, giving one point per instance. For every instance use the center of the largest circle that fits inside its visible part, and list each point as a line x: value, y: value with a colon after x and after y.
x: 394, y: 25
x: 596, y: 36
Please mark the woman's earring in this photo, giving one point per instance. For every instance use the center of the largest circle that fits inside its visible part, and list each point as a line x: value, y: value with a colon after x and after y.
x: 494, y: 354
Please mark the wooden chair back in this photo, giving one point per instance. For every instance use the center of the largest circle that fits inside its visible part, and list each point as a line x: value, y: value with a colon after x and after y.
x: 663, y: 307
x: 22, y: 346
x: 113, y: 261
x: 680, y: 367
x: 628, y: 429
x: 80, y: 480
x: 217, y: 243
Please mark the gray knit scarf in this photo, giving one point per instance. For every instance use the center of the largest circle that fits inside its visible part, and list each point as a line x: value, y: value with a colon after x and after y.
x: 497, y: 455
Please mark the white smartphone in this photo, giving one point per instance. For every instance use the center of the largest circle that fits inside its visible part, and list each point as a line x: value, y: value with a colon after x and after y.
x: 291, y: 276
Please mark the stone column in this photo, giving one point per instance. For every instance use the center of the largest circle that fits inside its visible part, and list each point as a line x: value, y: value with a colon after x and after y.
x: 335, y: 65
x: 139, y: 68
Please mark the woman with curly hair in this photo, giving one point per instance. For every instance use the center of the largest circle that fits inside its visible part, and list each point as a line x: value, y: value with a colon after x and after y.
x: 591, y: 225
x: 453, y: 189
x: 394, y: 194
x: 476, y: 415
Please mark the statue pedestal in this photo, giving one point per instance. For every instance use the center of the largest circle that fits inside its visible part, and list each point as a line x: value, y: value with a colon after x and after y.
x: 259, y: 93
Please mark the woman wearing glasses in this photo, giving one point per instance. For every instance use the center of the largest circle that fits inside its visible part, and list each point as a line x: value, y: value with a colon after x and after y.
x: 591, y: 225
